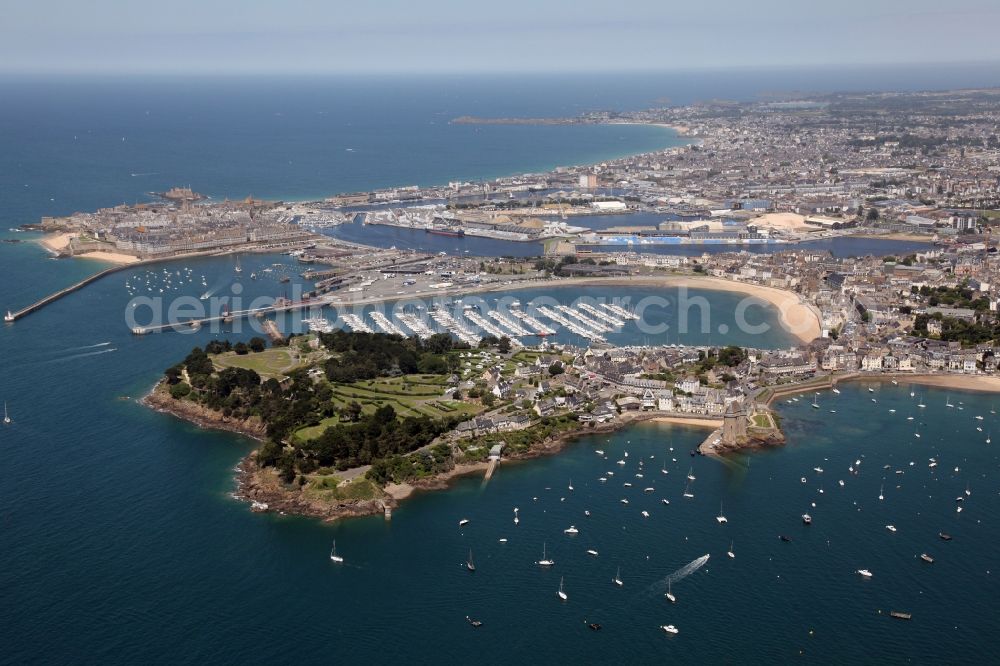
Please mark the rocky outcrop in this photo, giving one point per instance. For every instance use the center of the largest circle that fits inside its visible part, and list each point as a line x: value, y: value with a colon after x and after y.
x: 160, y: 400
x: 263, y: 487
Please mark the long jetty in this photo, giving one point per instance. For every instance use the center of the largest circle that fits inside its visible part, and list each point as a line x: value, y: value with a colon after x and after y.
x: 38, y: 305
x: 229, y: 316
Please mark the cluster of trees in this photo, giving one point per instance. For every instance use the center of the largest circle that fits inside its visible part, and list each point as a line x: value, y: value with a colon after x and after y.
x: 371, y: 439
x: 399, y: 468
x: 370, y: 355
x: 957, y: 297
x: 958, y: 330
x: 381, y: 439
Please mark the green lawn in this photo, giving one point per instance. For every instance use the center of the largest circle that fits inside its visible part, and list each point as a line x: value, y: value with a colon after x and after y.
x: 276, y: 362
x: 328, y: 488
x: 762, y: 420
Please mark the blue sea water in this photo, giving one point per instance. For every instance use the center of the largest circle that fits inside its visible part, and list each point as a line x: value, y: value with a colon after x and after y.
x: 121, y: 543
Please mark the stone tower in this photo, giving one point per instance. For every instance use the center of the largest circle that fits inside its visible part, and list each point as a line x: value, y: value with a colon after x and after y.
x: 734, y: 424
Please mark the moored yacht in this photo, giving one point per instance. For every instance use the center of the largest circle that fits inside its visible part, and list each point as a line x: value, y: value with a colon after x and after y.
x: 545, y: 561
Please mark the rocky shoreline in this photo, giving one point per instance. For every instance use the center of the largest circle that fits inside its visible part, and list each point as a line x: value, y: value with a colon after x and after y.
x: 160, y: 400
x: 266, y: 493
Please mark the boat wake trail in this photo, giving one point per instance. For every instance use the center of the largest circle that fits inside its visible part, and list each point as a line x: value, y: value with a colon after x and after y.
x: 70, y: 349
x: 72, y: 357
x: 660, y: 586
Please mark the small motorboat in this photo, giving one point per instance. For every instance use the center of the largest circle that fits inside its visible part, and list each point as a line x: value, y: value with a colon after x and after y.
x: 592, y: 552
x: 463, y: 522
x: 474, y: 623
x: 669, y: 628
x: 864, y: 573
x: 891, y: 528
x: 571, y: 530
x: 645, y: 514
x: 784, y: 538
x: 593, y: 626
x: 944, y: 536
x: 806, y: 519
x: 926, y: 558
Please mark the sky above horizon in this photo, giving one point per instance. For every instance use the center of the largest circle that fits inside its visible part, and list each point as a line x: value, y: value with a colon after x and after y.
x: 317, y: 36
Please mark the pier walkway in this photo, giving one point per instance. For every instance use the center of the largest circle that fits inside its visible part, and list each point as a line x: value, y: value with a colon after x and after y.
x: 38, y: 305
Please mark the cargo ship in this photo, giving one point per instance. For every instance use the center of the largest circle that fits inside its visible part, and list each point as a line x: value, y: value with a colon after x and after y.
x: 446, y: 231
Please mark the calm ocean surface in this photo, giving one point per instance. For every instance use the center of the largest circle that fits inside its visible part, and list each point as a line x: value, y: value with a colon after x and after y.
x: 121, y: 544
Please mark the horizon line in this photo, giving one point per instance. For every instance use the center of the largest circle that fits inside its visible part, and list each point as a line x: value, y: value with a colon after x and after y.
x: 531, y: 72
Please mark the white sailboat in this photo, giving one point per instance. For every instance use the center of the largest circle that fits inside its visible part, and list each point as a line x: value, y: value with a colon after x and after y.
x: 333, y: 554
x: 687, y: 491
x: 6, y: 416
x: 239, y: 269
x: 880, y: 489
x: 545, y: 561
x: 571, y: 485
x: 617, y: 580
x: 562, y: 593
x: 721, y: 517
x: 730, y: 552
x: 815, y: 404
x: 670, y: 595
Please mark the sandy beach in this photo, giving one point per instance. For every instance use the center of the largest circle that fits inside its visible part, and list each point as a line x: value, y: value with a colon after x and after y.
x: 57, y: 242
x: 979, y: 383
x: 110, y: 257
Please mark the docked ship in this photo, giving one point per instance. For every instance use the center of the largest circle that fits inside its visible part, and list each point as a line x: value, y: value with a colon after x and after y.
x: 447, y: 231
